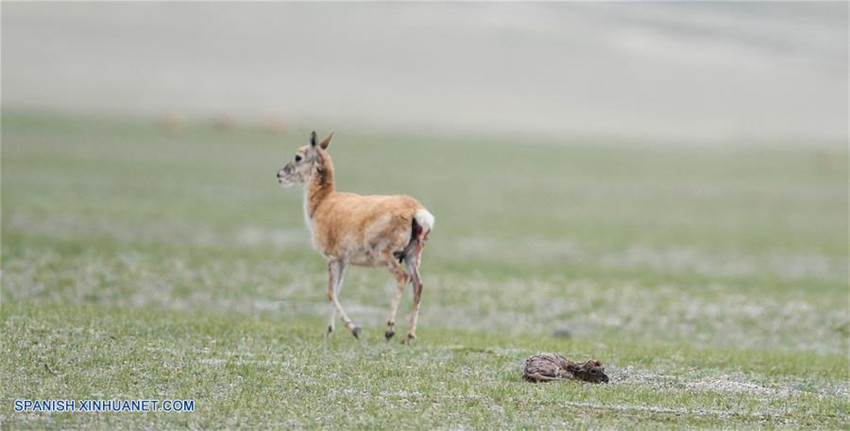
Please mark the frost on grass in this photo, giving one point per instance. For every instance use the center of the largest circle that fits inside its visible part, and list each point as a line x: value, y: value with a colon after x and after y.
x: 732, y: 386
x: 669, y: 259
x: 720, y: 307
x: 68, y: 227
x: 784, y: 415
x: 277, y: 238
x: 716, y: 313
x: 712, y: 315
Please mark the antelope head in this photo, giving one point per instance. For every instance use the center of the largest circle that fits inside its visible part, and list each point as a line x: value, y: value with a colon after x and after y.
x: 307, y: 159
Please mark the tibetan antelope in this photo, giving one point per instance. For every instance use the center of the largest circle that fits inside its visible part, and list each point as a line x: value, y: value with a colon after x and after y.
x: 350, y: 229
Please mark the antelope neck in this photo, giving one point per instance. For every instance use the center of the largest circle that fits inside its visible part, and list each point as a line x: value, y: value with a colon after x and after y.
x: 321, y: 183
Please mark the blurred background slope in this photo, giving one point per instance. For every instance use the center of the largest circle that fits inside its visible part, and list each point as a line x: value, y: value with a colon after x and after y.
x: 695, y: 72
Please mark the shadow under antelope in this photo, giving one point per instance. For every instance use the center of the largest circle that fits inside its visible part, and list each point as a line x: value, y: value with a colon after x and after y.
x: 350, y: 229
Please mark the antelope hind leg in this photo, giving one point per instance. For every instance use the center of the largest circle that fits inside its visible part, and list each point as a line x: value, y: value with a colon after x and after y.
x: 401, y: 280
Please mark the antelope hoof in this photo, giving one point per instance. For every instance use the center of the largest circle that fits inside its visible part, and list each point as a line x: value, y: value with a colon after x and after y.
x: 409, y: 339
x: 356, y: 332
x: 330, y: 329
x: 388, y: 335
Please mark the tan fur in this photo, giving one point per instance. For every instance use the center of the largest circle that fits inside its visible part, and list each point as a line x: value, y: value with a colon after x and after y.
x: 348, y: 228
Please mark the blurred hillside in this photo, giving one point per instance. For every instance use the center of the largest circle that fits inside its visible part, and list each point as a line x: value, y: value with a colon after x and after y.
x: 696, y: 72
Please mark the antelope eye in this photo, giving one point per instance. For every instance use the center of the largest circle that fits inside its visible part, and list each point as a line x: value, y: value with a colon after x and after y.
x: 297, y: 158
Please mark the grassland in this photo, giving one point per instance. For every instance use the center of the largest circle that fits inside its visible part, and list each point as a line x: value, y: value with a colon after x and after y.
x: 712, y: 282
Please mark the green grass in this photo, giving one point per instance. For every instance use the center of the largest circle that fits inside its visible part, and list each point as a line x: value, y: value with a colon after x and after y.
x: 711, y: 282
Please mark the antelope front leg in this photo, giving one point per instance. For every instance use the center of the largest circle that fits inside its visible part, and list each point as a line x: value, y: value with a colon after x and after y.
x: 336, y: 271
x: 401, y: 279
x: 336, y: 282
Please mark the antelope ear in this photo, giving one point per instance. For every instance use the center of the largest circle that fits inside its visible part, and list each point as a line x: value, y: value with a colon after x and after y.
x: 313, y: 139
x: 326, y: 141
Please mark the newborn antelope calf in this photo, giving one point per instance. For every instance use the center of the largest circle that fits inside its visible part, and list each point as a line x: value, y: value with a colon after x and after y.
x: 350, y: 229
x: 547, y: 367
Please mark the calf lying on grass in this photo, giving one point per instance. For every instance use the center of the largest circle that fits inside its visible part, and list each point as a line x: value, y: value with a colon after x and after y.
x: 549, y: 366
x: 347, y: 228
